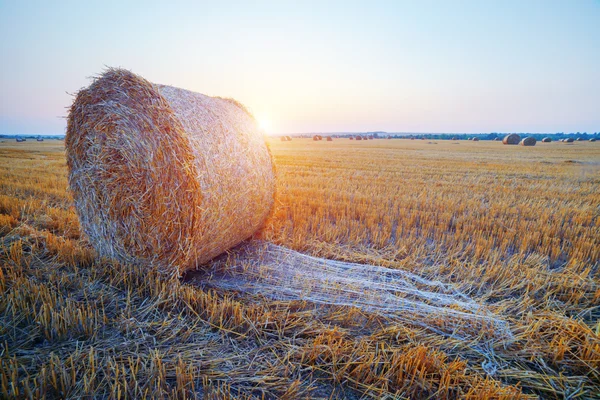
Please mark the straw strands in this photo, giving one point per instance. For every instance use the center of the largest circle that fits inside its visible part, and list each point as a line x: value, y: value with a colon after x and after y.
x: 161, y: 174
x: 278, y: 273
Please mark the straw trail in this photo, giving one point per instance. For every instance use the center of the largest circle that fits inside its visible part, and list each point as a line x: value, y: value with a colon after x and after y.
x: 279, y: 273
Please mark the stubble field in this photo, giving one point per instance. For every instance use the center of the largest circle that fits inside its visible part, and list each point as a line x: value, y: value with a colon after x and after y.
x: 515, y: 228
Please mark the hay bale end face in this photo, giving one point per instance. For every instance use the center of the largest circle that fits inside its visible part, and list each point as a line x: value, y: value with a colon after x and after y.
x: 528, y: 141
x: 513, y: 138
x: 165, y: 176
x: 546, y: 140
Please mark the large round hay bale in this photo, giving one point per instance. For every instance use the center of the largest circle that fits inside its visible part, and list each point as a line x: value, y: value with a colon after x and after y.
x: 580, y: 139
x: 165, y: 176
x: 329, y: 139
x: 513, y: 138
x: 359, y: 138
x: 592, y: 139
x: 546, y: 140
x: 476, y: 139
x: 528, y: 141
x: 569, y: 140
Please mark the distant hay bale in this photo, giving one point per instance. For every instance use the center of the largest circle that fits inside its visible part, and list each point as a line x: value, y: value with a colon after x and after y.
x: 455, y: 138
x: 19, y: 140
x: 165, y: 176
x: 359, y: 138
x: 476, y: 139
x: 329, y: 139
x: 569, y: 140
x: 370, y: 137
x: 351, y: 137
x: 283, y: 139
x: 40, y: 139
x: 496, y: 139
x: 546, y: 140
x: 592, y: 139
x: 580, y: 139
x: 513, y: 138
x: 528, y: 141
x: 289, y: 138
x: 389, y: 136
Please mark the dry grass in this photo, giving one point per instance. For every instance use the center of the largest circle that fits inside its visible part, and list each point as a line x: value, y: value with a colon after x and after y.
x: 517, y: 228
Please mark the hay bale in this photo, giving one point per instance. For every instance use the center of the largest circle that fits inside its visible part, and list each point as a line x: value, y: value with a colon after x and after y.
x: 580, y: 139
x: 289, y: 138
x: 40, y: 139
x: 569, y: 140
x: 389, y: 136
x: 455, y: 138
x: 359, y: 137
x: 496, y: 139
x: 592, y: 139
x: 513, y: 138
x: 283, y: 139
x: 528, y: 141
x: 351, y: 137
x: 476, y: 139
x: 329, y: 139
x: 165, y: 176
x: 546, y: 140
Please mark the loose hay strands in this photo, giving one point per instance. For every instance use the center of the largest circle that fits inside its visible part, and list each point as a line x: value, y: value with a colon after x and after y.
x: 279, y: 273
x: 163, y: 175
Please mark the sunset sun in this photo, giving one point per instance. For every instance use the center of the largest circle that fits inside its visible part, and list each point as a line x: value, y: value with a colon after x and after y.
x: 264, y: 123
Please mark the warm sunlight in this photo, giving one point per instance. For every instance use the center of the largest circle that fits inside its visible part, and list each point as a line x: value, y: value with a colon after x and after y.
x: 300, y: 199
x: 264, y: 123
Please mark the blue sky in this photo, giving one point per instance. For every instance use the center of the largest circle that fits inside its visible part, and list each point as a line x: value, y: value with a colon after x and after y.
x: 418, y: 66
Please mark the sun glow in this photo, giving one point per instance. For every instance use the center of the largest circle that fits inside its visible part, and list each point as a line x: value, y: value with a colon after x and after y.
x: 264, y: 123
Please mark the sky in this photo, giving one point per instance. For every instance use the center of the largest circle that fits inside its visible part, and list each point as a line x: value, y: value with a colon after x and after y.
x: 318, y: 66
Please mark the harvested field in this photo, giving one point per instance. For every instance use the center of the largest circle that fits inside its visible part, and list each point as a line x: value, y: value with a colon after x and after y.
x: 516, y: 229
